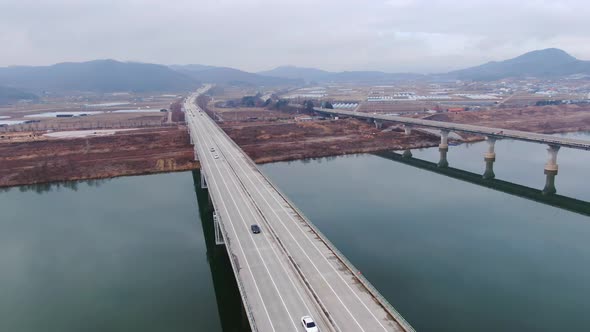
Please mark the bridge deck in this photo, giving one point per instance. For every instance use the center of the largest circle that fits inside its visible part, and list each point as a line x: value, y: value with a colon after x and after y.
x: 496, y: 132
x: 288, y: 270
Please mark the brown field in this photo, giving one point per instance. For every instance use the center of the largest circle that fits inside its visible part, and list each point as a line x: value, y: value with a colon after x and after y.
x: 40, y: 160
x: 541, y: 119
x: 268, y: 142
x: 249, y: 114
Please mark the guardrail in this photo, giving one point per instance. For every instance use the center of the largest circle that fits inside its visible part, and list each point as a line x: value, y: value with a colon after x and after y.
x: 236, y: 270
x: 370, y: 288
x: 473, y: 129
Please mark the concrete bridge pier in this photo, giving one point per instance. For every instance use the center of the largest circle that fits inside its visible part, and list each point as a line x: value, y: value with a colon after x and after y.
x: 489, y: 172
x: 407, y: 153
x: 490, y: 158
x: 203, y: 180
x: 551, y: 164
x: 408, y: 129
x: 551, y: 169
x: 217, y: 226
x: 549, y: 188
x: 443, y: 162
x: 444, y: 139
x: 443, y: 148
x: 378, y: 124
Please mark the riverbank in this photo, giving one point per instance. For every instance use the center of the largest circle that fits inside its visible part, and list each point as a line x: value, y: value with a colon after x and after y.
x: 267, y: 142
x: 28, y: 158
x: 539, y: 119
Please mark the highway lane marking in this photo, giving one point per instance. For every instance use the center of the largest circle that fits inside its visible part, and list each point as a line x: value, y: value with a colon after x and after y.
x: 266, y: 236
x: 215, y: 165
x: 306, y: 236
x: 242, y: 194
x: 310, y: 260
x: 245, y: 257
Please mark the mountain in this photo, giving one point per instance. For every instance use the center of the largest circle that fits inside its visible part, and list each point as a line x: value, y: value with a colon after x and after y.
x: 547, y: 63
x: 12, y: 95
x: 97, y: 76
x: 225, y: 75
x: 307, y: 74
x: 192, y: 67
x: 318, y: 75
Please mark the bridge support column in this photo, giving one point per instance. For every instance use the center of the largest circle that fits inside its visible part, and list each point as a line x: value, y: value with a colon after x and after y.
x: 551, y: 164
x: 407, y: 153
x: 489, y: 172
x: 407, y: 129
x: 217, y: 226
x: 490, y: 158
x: 443, y: 162
x: 203, y: 180
x: 378, y: 124
x: 444, y: 139
x: 551, y: 169
x: 549, y: 188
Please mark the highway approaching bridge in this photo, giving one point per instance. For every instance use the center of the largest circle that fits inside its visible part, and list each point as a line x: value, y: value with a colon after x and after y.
x: 290, y: 269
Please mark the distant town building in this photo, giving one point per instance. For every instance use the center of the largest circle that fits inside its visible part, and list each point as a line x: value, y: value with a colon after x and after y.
x: 303, y: 118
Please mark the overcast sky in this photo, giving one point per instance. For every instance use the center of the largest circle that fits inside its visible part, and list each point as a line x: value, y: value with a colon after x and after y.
x: 388, y: 35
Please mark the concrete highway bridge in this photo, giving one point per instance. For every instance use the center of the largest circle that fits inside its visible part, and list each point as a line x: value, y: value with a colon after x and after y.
x: 492, y: 134
x: 289, y: 269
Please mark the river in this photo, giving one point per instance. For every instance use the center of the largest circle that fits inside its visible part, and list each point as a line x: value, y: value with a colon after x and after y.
x: 133, y: 254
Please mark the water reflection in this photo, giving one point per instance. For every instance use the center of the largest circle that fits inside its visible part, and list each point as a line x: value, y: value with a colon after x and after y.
x: 41, y: 188
x: 546, y: 196
x: 229, y: 303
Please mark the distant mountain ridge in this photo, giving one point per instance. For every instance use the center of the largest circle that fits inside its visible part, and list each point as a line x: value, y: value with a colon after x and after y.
x: 226, y: 75
x: 12, y: 95
x: 97, y: 75
x: 547, y: 63
x: 113, y: 76
x: 302, y: 73
x: 318, y: 75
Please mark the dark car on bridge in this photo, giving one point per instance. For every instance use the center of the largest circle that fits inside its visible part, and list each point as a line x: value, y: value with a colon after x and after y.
x: 255, y: 229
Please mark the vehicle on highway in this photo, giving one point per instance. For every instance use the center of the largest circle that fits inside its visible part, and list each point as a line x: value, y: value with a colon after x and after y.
x: 255, y: 229
x: 212, y: 149
x: 309, y: 324
x: 216, y: 156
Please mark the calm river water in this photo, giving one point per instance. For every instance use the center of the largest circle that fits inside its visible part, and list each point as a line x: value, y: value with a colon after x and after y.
x: 132, y: 254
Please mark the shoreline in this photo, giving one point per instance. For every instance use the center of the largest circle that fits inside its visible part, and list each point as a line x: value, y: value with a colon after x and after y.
x: 194, y: 165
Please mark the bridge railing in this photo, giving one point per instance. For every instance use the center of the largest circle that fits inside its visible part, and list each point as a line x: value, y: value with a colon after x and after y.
x: 233, y: 264
x: 473, y: 129
x: 355, y: 272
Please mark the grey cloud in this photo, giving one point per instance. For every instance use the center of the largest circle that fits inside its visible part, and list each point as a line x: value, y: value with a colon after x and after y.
x: 391, y: 35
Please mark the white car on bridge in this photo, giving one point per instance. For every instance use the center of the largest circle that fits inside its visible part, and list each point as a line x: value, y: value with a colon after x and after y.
x: 309, y: 324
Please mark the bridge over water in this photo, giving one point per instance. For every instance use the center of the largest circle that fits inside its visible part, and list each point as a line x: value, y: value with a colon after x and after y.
x: 492, y: 134
x: 290, y: 269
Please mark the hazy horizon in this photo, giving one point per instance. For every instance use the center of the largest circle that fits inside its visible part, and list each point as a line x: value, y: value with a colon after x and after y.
x: 255, y: 35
